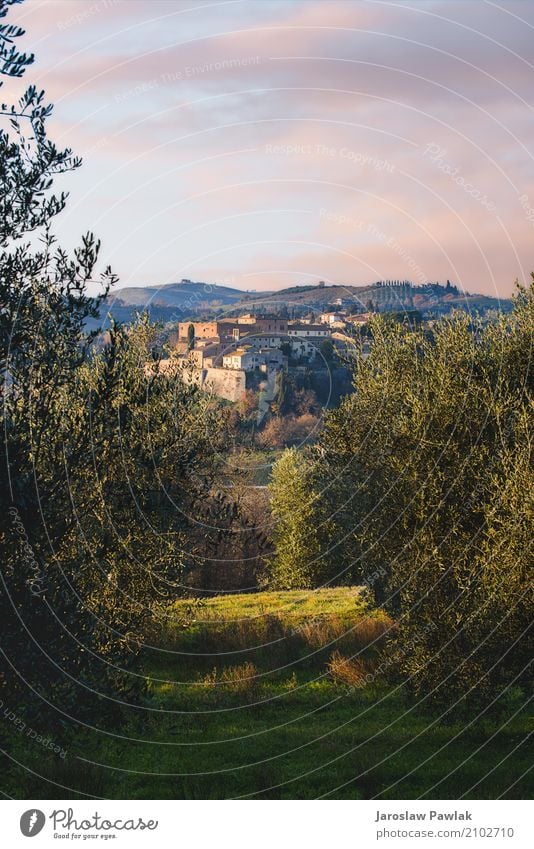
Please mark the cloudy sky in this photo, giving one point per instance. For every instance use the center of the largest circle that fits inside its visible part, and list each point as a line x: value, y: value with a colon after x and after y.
x: 263, y: 143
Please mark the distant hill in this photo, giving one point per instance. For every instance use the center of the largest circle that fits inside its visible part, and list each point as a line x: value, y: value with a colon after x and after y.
x: 170, y: 302
x: 188, y: 299
x: 382, y: 296
x: 183, y: 295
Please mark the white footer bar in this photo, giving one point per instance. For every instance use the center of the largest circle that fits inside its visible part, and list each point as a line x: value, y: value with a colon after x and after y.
x: 268, y: 824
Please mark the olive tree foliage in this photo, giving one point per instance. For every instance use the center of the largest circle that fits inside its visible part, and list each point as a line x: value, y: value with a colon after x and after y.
x: 300, y: 542
x: 43, y: 307
x: 104, y: 459
x: 426, y: 482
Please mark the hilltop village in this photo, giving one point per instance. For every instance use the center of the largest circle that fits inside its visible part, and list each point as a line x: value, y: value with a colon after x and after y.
x: 226, y: 356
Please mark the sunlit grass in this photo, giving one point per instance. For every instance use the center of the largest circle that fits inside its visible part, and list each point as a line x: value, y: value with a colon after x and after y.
x: 294, y: 718
x: 290, y: 604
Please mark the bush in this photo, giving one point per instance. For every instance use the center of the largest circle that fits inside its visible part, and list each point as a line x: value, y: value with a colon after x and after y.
x: 282, y: 431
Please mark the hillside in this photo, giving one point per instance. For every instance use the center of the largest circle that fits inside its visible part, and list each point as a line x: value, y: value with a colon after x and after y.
x: 430, y: 297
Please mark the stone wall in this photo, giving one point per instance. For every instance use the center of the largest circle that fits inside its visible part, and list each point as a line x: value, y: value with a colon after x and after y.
x: 223, y: 382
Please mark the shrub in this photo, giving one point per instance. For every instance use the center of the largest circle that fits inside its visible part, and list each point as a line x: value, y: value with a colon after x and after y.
x: 282, y: 431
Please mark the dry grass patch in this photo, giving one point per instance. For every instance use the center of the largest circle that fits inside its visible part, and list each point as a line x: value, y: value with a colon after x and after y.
x: 369, y: 632
x: 350, y: 672
x: 240, y: 680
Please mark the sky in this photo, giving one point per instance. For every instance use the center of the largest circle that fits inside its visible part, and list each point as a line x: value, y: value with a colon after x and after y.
x: 268, y: 143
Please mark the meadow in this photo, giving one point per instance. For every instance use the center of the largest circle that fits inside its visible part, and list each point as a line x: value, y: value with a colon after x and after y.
x: 280, y: 695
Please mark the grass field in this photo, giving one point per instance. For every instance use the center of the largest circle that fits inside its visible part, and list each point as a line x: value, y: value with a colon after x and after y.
x: 244, y: 701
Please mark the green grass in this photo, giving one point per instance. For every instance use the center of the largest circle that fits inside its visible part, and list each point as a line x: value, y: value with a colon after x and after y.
x: 291, y: 605
x: 266, y: 719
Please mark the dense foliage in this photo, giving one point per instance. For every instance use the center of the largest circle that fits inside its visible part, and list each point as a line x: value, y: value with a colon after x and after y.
x: 422, y: 483
x: 106, y: 463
